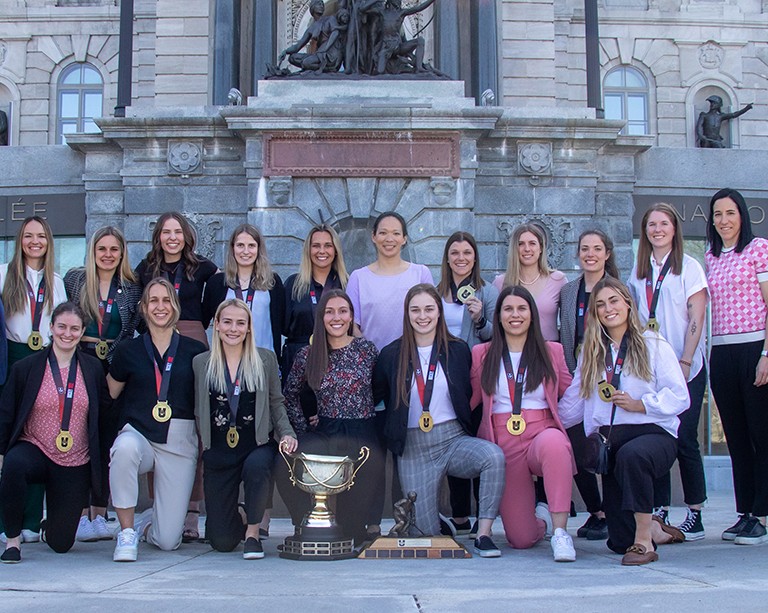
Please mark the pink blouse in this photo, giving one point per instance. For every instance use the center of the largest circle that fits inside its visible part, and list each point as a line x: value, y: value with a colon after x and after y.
x: 547, y: 302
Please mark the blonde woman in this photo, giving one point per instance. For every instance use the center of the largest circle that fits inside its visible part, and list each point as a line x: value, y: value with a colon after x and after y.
x: 527, y: 266
x: 322, y: 267
x: 237, y: 405
x: 629, y: 387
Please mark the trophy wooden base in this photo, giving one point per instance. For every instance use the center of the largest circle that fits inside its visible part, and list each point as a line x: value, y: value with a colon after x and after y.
x: 315, y: 547
x: 420, y: 548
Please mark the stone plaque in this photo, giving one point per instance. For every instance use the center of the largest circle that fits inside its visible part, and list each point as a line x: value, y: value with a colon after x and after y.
x: 361, y: 154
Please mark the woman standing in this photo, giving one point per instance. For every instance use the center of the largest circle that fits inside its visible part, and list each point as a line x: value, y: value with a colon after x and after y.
x: 628, y: 387
x: 336, y: 369
x: 237, y: 406
x: 248, y: 277
x: 468, y: 303
x: 737, y: 270
x: 596, y: 259
x: 31, y: 290
x: 107, y: 292
x: 670, y: 290
x: 519, y: 378
x: 527, y: 266
x: 322, y: 267
x: 159, y: 424
x: 49, y: 430
x: 428, y: 417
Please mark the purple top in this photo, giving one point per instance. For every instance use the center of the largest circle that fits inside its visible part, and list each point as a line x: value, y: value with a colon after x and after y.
x: 547, y: 302
x: 378, y: 301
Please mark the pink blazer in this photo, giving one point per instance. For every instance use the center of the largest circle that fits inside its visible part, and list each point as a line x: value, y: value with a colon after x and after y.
x: 553, y: 390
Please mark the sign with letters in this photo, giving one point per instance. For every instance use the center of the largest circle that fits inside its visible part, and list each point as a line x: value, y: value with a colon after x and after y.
x: 64, y: 212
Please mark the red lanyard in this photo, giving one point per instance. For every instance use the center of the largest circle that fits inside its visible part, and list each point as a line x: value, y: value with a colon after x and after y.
x: 425, y: 387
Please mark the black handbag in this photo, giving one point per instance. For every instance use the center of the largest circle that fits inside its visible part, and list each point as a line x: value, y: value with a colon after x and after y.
x: 597, y: 450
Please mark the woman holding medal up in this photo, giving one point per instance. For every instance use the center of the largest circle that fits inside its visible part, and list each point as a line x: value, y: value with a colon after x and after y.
x: 237, y: 405
x: 468, y: 303
x: 670, y: 291
x: 31, y: 290
x: 629, y: 388
x: 49, y: 431
x: 107, y: 292
x: 322, y: 267
x: 519, y: 377
x: 423, y: 378
x: 596, y: 259
x: 159, y: 424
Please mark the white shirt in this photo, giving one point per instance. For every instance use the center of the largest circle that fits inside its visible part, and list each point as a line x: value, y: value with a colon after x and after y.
x: 440, y: 406
x: 261, y: 321
x: 19, y: 326
x: 454, y: 315
x: 502, y: 403
x: 665, y: 396
x: 671, y: 309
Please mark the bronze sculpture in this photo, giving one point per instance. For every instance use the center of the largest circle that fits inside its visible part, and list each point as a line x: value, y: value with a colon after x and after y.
x: 405, y: 516
x: 709, y: 123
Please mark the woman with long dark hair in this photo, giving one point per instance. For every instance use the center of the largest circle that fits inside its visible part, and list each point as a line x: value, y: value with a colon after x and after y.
x: 423, y: 378
x: 238, y: 405
x: 334, y: 374
x: 519, y: 377
x: 670, y: 291
x: 629, y: 387
x: 737, y: 271
x: 49, y: 431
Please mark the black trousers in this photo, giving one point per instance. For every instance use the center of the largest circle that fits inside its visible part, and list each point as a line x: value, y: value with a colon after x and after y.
x: 338, y: 437
x: 744, y: 414
x: 640, y: 454
x: 223, y: 471
x: 688, y: 454
x: 66, y: 491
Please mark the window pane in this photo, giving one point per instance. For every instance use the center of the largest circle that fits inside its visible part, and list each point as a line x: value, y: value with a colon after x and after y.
x: 70, y: 105
x: 72, y: 77
x: 92, y: 106
x: 90, y: 126
x: 614, y: 78
x: 634, y: 78
x: 636, y: 108
x: 637, y: 129
x: 68, y: 127
x: 613, y: 107
x: 91, y: 75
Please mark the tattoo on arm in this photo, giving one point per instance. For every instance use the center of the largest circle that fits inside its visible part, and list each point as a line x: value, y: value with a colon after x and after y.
x: 693, y: 328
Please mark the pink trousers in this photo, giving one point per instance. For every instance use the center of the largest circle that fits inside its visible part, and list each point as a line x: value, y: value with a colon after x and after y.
x: 542, y: 450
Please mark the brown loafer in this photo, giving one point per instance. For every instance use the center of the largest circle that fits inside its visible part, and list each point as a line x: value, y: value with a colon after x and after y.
x: 637, y: 555
x: 677, y: 535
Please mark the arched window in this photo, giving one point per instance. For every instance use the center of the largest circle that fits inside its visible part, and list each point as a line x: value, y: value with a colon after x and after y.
x: 80, y: 98
x: 625, y: 92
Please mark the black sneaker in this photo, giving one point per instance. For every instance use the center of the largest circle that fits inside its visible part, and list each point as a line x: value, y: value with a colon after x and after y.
x: 473, y: 530
x: 485, y: 547
x: 662, y: 514
x: 252, y: 550
x: 753, y: 533
x: 449, y: 527
x: 730, y: 534
x: 692, y: 526
x: 594, y: 529
x: 12, y: 555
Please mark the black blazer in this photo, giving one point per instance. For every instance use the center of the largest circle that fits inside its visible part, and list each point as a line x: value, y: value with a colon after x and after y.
x: 456, y: 369
x: 216, y: 293
x: 21, y: 391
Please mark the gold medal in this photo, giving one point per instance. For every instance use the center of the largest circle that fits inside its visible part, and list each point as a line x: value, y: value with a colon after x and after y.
x: 64, y: 441
x: 232, y: 437
x: 653, y: 324
x: 606, y: 391
x: 516, y: 425
x: 425, y: 422
x: 102, y: 348
x: 310, y: 338
x: 161, y: 412
x: 35, y: 341
x: 465, y: 294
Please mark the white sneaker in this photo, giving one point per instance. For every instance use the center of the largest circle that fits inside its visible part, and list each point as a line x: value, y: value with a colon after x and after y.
x: 142, y: 522
x: 101, y: 529
x: 127, y: 546
x: 562, y: 546
x: 542, y: 512
x: 29, y: 536
x: 85, y: 532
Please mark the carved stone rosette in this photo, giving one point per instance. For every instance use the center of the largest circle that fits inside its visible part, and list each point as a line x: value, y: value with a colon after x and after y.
x: 556, y: 230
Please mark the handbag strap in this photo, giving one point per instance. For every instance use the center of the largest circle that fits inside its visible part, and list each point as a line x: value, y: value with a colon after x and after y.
x: 613, y: 371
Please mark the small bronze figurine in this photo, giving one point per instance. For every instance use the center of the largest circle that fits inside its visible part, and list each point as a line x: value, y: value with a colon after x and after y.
x: 405, y: 516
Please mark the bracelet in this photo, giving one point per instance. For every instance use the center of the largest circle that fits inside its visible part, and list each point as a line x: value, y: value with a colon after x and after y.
x: 686, y: 362
x: 480, y: 324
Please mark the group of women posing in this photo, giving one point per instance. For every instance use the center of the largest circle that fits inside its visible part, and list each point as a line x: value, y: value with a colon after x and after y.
x: 467, y: 380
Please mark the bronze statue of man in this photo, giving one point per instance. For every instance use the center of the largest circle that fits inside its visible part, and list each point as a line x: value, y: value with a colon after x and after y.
x: 709, y: 123
x: 329, y: 34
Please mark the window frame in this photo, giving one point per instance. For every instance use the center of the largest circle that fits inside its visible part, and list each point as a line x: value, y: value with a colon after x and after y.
x: 626, y: 93
x: 81, y: 89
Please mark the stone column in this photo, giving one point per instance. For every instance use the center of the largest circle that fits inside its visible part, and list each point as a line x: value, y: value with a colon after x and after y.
x: 264, y: 39
x: 226, y: 49
x: 447, y: 46
x: 485, y: 61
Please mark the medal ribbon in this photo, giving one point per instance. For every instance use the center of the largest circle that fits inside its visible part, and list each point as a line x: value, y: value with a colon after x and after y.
x: 248, y: 296
x: 233, y: 394
x: 516, y: 388
x: 66, y: 395
x: 36, y: 303
x: 162, y: 380
x: 425, y: 387
x: 613, y: 371
x: 581, y: 311
x: 652, y: 292
x: 177, y: 277
x: 105, y: 310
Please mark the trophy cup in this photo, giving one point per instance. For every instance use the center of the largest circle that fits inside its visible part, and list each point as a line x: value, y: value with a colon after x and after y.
x: 319, y: 536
